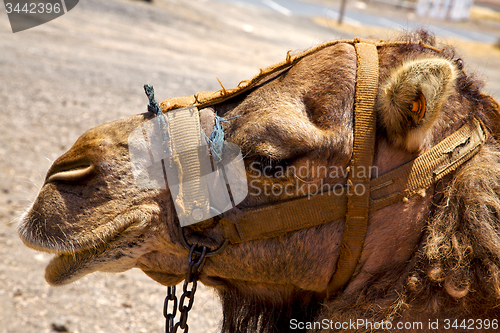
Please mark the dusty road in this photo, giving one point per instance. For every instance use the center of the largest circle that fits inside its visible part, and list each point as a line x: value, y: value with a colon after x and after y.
x: 87, y: 68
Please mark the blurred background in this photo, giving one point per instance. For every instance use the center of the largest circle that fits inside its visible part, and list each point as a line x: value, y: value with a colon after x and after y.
x: 88, y: 67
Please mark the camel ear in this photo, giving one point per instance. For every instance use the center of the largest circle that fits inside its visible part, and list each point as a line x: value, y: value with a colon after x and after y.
x: 411, y: 99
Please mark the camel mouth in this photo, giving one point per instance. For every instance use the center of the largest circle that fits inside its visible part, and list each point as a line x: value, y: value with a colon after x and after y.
x: 37, y: 241
x: 67, y: 268
x: 113, y: 253
x: 117, y: 255
x: 32, y: 231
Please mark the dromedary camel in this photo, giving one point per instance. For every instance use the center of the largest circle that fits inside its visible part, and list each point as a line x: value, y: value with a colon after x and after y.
x: 431, y: 255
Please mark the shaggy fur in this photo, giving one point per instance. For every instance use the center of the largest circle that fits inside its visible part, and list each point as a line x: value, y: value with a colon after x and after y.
x: 463, y: 246
x: 265, y: 313
x: 455, y: 271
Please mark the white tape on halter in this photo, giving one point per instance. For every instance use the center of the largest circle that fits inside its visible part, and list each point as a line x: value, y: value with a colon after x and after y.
x: 177, y: 157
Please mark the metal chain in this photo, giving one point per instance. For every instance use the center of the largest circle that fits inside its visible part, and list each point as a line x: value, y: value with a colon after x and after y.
x: 188, y: 292
x: 170, y: 315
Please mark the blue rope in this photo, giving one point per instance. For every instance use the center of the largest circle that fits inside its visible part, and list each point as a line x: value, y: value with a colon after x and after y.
x: 216, y: 140
x: 153, y: 104
x: 155, y: 109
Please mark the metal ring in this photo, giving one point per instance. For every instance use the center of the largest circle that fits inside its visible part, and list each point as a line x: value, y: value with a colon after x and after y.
x: 209, y: 253
x: 199, y: 253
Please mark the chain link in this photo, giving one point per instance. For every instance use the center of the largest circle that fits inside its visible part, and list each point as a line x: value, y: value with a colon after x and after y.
x: 188, y: 291
x: 170, y: 315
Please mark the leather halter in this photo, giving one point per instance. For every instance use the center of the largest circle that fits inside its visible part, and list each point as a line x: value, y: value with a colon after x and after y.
x: 356, y: 221
x: 395, y: 186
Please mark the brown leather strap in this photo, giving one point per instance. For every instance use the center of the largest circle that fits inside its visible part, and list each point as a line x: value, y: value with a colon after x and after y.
x: 358, y: 204
x: 420, y: 173
x: 403, y: 182
x: 283, y: 217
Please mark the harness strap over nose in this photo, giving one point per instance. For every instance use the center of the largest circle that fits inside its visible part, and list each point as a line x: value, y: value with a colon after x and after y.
x: 193, y: 196
x: 358, y: 206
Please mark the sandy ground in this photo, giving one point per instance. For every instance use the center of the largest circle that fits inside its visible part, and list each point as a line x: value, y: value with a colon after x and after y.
x: 87, y: 68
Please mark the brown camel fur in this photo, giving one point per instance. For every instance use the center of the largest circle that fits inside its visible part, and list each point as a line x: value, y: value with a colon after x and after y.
x: 434, y: 257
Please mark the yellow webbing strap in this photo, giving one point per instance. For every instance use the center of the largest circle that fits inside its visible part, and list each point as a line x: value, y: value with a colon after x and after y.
x: 362, y: 157
x: 279, y: 218
x: 420, y: 173
x: 185, y: 136
x: 403, y: 182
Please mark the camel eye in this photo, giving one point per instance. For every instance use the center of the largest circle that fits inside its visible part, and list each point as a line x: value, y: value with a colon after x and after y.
x: 418, y: 106
x: 270, y: 168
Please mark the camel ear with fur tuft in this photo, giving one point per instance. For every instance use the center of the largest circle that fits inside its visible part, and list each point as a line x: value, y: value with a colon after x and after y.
x: 411, y: 99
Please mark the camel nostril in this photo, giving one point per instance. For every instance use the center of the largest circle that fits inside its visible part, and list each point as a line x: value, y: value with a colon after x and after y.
x: 70, y: 175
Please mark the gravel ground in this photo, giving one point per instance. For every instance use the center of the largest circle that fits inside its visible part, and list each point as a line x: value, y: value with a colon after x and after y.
x: 87, y: 68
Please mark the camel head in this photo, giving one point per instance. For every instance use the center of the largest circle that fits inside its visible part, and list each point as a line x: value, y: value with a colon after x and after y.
x: 295, y: 132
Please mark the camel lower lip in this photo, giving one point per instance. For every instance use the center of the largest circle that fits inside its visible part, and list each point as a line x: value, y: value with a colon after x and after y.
x: 66, y: 268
